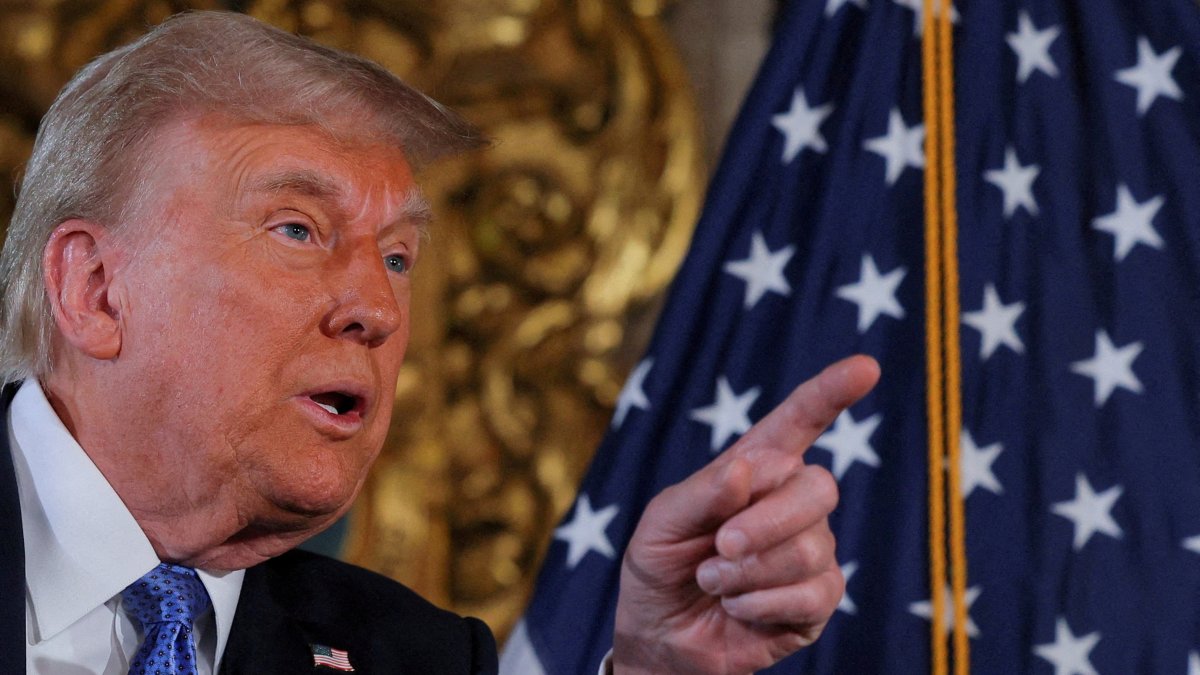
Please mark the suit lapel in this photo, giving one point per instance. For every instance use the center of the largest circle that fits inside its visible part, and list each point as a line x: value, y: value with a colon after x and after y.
x: 268, y: 638
x: 264, y: 638
x: 12, y: 555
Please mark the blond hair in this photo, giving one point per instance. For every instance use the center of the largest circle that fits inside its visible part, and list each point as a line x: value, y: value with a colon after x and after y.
x: 94, y: 139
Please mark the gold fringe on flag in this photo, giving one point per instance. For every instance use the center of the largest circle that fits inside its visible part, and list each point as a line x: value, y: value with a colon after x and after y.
x: 943, y: 359
x: 934, y: 397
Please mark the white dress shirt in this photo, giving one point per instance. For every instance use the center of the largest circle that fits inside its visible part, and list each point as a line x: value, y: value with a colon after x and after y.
x: 82, y: 548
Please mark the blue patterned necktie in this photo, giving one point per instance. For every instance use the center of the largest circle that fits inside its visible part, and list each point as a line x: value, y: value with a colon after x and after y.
x: 166, y: 601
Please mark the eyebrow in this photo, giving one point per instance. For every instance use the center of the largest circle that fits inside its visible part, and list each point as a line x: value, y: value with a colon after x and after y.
x: 414, y: 209
x: 304, y: 182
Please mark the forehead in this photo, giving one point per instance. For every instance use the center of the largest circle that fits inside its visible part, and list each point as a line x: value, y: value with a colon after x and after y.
x: 225, y: 162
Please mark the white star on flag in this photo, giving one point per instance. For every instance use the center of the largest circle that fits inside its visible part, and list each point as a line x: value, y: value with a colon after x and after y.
x: 1110, y: 367
x: 1032, y: 47
x: 996, y: 323
x: 1152, y: 75
x: 1016, y: 182
x: 846, y: 604
x: 1131, y: 223
x: 1193, y: 663
x: 762, y: 270
x: 1192, y: 543
x: 729, y: 415
x: 849, y: 442
x: 801, y: 126
x: 977, y: 466
x: 1068, y: 653
x: 924, y: 609
x: 633, y: 394
x: 1090, y: 512
x: 586, y: 533
x: 832, y: 6
x: 874, y: 293
x: 902, y: 146
x: 918, y: 6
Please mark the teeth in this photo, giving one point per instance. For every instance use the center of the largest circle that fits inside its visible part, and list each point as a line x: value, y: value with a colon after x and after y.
x: 328, y: 408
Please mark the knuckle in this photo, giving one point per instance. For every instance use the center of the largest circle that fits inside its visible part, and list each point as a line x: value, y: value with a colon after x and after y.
x: 794, y: 605
x: 742, y: 573
x: 660, y: 500
x: 812, y: 553
x: 812, y: 602
x: 652, y: 513
x: 777, y: 522
x: 822, y: 488
x: 832, y: 588
x: 837, y: 586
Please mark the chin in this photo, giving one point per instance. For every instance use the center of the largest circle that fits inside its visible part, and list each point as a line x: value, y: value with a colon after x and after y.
x: 269, y: 535
x: 305, y: 505
x: 249, y: 549
x: 317, y: 482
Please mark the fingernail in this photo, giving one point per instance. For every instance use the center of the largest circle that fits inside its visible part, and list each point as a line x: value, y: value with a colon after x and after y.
x: 732, y: 543
x: 709, y: 578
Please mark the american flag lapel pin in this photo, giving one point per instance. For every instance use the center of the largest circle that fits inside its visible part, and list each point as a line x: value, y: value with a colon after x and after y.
x: 337, y: 659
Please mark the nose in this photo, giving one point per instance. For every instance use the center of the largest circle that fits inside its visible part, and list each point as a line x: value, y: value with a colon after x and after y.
x: 367, y: 306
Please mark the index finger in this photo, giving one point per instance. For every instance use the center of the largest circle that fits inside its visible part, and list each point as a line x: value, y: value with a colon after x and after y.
x: 795, y: 423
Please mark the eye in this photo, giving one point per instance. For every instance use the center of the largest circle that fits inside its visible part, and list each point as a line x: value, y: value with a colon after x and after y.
x: 396, y: 263
x: 294, y: 231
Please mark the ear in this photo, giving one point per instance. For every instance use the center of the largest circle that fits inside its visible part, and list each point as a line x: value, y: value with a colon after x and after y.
x: 77, y: 267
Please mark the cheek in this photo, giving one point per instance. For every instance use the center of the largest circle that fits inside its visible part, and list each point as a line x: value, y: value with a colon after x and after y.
x: 228, y: 337
x: 286, y: 466
x: 212, y: 345
x: 392, y: 352
x: 229, y: 341
x: 392, y: 359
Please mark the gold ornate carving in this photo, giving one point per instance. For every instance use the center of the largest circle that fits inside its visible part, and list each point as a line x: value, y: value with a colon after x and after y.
x: 535, y: 295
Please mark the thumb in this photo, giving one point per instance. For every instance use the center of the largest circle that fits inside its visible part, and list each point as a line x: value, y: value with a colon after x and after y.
x: 698, y: 505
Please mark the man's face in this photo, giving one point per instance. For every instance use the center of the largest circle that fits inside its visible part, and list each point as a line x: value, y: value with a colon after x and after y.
x: 267, y: 312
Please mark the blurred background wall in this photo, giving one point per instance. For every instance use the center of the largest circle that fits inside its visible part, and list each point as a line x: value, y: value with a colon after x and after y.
x: 550, y: 253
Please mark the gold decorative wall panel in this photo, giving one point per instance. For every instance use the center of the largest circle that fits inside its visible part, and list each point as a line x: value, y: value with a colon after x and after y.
x: 549, y: 252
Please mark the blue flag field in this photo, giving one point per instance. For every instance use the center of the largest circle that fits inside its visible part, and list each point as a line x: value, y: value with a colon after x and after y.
x: 1078, y: 169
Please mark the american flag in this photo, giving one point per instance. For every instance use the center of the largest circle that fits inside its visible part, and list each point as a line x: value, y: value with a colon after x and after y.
x: 1078, y: 166
x: 337, y: 659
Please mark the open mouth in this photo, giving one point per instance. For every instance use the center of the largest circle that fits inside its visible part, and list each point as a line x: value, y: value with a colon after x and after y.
x: 337, y: 402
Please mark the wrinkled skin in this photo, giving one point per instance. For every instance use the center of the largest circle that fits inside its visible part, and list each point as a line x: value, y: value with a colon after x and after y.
x: 269, y: 263
x: 734, y: 569
x: 198, y: 344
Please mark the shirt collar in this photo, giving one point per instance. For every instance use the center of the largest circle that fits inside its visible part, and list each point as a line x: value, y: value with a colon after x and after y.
x: 82, y: 546
x: 223, y: 588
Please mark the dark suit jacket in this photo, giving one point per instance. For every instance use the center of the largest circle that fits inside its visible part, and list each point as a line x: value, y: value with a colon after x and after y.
x: 287, y: 604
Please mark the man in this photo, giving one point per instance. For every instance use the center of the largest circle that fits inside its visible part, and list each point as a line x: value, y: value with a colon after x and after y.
x: 205, y: 306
